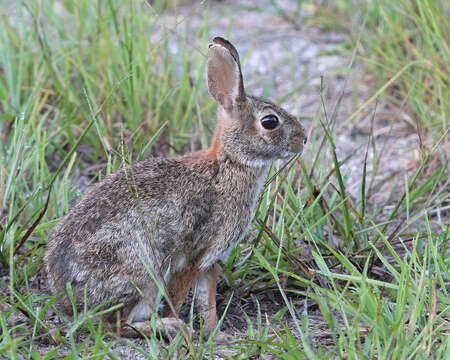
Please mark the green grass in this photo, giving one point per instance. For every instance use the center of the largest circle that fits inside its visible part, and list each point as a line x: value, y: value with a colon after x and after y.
x: 74, y: 89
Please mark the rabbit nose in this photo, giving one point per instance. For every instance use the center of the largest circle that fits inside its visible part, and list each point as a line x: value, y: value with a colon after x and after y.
x: 303, y: 133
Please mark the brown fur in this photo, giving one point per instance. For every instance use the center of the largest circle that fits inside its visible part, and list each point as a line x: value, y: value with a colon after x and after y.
x: 173, y: 216
x: 179, y: 288
x: 208, y: 308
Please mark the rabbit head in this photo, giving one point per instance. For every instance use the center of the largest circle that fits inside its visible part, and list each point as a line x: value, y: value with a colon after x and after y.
x: 250, y: 130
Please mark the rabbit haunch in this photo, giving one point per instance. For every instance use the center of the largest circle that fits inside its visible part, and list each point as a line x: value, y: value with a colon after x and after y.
x: 173, y: 216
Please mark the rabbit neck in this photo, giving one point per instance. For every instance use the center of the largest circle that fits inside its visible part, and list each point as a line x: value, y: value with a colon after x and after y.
x: 214, y: 149
x: 220, y: 150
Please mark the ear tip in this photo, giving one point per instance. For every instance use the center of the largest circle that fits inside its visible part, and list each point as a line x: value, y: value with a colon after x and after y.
x: 219, y: 40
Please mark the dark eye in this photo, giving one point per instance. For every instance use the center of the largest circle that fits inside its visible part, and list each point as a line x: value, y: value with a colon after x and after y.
x: 269, y: 122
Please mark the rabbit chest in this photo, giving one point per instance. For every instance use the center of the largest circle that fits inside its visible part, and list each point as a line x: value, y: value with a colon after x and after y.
x: 237, y: 190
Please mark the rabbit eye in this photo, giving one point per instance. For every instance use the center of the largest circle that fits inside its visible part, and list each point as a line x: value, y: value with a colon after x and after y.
x: 269, y: 122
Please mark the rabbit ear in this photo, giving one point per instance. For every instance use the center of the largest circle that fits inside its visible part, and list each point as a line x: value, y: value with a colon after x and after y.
x: 224, y: 73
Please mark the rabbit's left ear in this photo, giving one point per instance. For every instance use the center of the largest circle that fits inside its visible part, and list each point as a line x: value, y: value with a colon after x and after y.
x: 225, y: 82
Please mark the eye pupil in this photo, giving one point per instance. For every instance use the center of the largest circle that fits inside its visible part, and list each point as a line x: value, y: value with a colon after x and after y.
x: 269, y: 122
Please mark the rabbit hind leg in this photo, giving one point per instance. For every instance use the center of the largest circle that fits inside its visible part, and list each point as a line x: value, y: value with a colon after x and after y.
x: 136, y: 324
x: 179, y: 287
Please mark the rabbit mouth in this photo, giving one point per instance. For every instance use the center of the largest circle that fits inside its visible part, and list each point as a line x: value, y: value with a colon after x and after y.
x: 295, y: 149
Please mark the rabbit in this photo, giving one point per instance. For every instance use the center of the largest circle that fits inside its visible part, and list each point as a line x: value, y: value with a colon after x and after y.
x: 173, y: 218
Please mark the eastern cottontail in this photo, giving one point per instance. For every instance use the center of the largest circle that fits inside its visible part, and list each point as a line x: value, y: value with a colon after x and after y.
x: 174, y: 216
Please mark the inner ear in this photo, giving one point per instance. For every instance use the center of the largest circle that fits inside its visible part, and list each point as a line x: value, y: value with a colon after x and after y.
x: 224, y: 76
